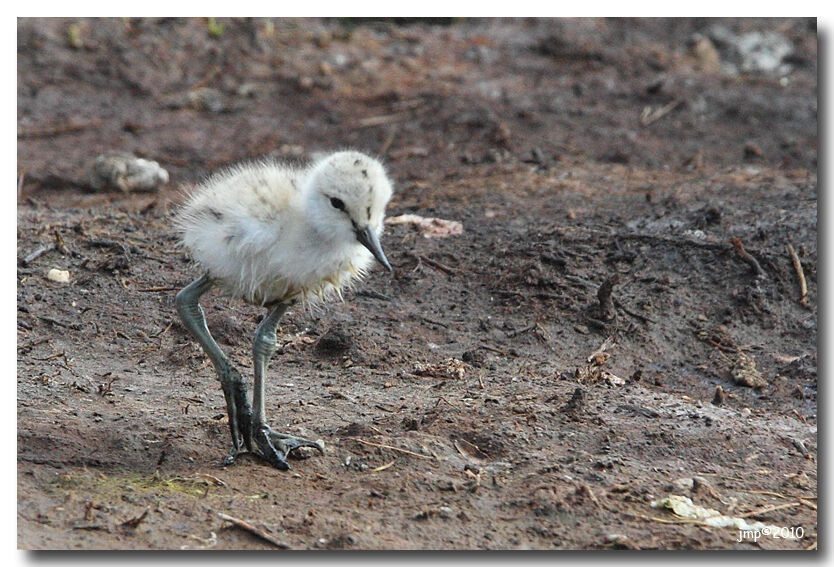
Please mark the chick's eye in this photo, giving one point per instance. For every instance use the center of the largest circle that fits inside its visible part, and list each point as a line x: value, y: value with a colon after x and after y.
x: 337, y: 203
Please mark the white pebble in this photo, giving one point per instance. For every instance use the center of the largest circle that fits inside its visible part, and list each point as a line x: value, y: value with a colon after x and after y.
x: 56, y: 275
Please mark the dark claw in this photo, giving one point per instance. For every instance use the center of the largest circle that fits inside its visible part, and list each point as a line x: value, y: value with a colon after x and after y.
x: 230, y: 458
x: 269, y: 452
x: 276, y: 447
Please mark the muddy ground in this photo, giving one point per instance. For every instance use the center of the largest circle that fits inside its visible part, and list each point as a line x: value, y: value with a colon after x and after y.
x: 486, y: 396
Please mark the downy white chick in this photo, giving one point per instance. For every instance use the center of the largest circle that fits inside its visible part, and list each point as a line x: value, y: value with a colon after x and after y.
x: 272, y: 235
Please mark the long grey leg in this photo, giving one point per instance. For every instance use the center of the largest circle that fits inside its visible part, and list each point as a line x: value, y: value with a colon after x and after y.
x: 274, y: 447
x: 234, y: 385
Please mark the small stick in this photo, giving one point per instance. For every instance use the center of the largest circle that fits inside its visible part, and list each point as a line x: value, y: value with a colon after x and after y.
x: 809, y: 504
x: 157, y: 288
x: 165, y: 330
x: 604, y: 296
x: 768, y: 509
x: 211, y: 479
x: 56, y: 322
x: 442, y: 399
x: 37, y: 253
x: 383, y: 467
x: 433, y: 322
x: 253, y: 530
x: 606, y: 344
x: 744, y: 255
x: 373, y: 295
x: 665, y: 521
x: 803, y: 286
x: 481, y: 452
x: 56, y: 129
x: 516, y: 332
x: 644, y: 318
x: 587, y: 490
x: 34, y: 343
x: 766, y: 493
x: 650, y: 115
x: 438, y: 265
x: 493, y: 349
x: 381, y: 119
x: 392, y: 133
x: 134, y: 522
x: 382, y: 446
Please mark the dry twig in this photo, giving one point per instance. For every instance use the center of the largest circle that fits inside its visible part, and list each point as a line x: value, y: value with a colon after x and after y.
x: 651, y: 115
x: 606, y: 308
x: 389, y: 139
x: 800, y: 273
x: 50, y: 130
x: 516, y: 332
x: 438, y: 265
x: 38, y: 252
x: 381, y: 119
x: 157, y: 288
x: 253, y: 530
x: 134, y: 522
x: 385, y: 466
x: 767, y: 509
x: 744, y: 255
x: 606, y: 344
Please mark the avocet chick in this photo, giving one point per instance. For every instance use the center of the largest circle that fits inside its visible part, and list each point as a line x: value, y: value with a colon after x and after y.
x: 273, y: 235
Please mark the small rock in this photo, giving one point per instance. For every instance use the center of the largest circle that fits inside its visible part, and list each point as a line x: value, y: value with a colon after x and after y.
x: 474, y: 357
x: 719, y: 397
x: 752, y: 52
x: 59, y: 276
x: 582, y: 329
x: 205, y: 98
x: 681, y: 485
x: 752, y: 151
x: 445, y: 512
x: 249, y: 89
x: 325, y: 68
x: 799, y: 480
x: 126, y: 172
x: 576, y: 402
x: 705, y: 54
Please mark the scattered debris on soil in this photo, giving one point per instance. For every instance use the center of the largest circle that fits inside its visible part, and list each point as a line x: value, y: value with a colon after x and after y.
x: 428, y: 227
x: 534, y: 382
x: 126, y: 172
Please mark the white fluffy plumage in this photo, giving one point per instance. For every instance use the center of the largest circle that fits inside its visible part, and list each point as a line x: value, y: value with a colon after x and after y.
x: 266, y: 232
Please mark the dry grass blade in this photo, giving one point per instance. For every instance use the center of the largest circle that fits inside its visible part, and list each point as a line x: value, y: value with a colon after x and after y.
x: 800, y: 274
x: 809, y: 504
x: 765, y: 493
x: 474, y: 452
x: 134, y: 522
x: 767, y: 509
x: 383, y: 467
x: 651, y: 115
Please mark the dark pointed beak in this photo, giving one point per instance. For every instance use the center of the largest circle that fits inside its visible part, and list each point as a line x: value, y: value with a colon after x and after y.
x: 369, y: 240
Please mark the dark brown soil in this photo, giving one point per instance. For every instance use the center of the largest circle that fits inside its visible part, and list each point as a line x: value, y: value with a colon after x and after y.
x: 480, y: 398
